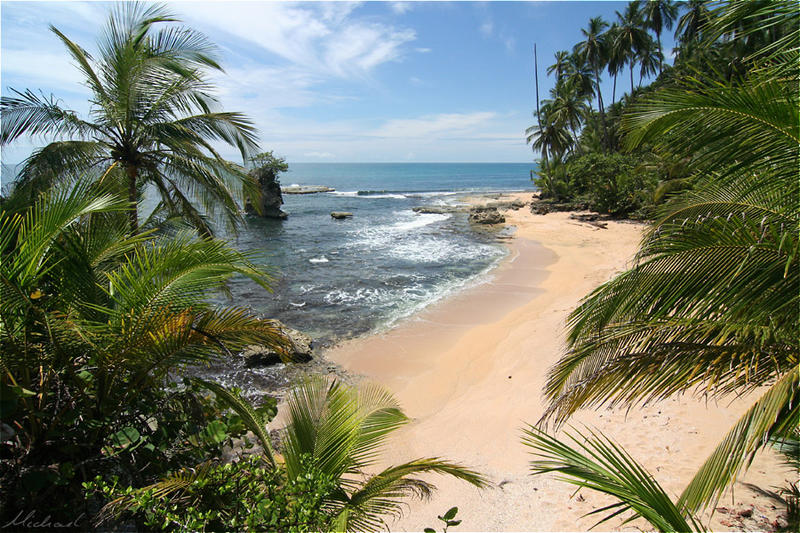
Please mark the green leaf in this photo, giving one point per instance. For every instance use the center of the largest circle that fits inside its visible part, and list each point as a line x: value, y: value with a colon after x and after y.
x: 451, y: 513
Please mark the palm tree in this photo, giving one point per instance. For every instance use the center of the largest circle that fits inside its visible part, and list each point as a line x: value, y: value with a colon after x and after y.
x: 343, y: 429
x: 598, y: 464
x: 594, y: 51
x: 551, y: 138
x: 691, y: 23
x: 561, y: 64
x: 151, y: 114
x: 617, y: 55
x: 632, y: 38
x: 336, y: 432
x: 650, y: 59
x: 712, y: 300
x: 567, y: 107
x: 94, y: 325
x: 659, y: 14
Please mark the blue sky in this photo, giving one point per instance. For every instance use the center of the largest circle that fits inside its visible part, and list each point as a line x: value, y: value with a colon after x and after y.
x: 342, y: 81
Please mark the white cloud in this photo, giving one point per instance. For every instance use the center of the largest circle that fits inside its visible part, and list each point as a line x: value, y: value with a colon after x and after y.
x: 439, y: 126
x: 324, y: 38
x: 487, y: 28
x: 400, y: 7
x: 422, y: 50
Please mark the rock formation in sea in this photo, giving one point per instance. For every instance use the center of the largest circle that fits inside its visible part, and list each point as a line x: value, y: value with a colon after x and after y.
x: 299, y: 348
x: 486, y: 215
x: 266, y: 170
x: 339, y: 215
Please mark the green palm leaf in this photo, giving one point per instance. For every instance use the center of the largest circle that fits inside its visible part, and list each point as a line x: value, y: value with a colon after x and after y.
x: 599, y: 464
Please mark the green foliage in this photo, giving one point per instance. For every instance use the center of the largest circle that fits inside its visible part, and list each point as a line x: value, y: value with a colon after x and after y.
x: 614, y: 183
x: 342, y: 430
x: 93, y: 327
x: 599, y: 464
x: 267, y: 166
x: 711, y: 303
x: 248, y: 494
x: 448, y: 519
x: 151, y: 112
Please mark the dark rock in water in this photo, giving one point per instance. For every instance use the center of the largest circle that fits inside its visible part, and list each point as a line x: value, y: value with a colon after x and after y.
x: 297, y: 348
x: 486, y: 215
x: 438, y: 209
x: 339, y: 215
x: 306, y: 189
x: 266, y: 172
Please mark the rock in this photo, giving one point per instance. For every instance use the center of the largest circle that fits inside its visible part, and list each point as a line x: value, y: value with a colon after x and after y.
x: 306, y: 189
x: 438, y: 209
x: 486, y: 215
x: 266, y: 172
x: 298, y: 348
x: 539, y: 208
x: 518, y: 204
x: 746, y: 513
x: 339, y: 215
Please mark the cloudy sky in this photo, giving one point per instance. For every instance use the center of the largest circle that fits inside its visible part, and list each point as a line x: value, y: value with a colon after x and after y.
x: 341, y: 81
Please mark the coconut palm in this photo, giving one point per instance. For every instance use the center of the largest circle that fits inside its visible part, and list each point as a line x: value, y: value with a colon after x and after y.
x: 551, y: 138
x: 567, y: 106
x: 659, y: 15
x: 617, y: 56
x: 561, y: 64
x: 95, y: 323
x: 693, y: 20
x: 712, y: 300
x: 343, y: 430
x: 650, y: 59
x: 594, y: 52
x: 596, y: 463
x: 151, y: 113
x: 336, y: 432
x: 631, y: 36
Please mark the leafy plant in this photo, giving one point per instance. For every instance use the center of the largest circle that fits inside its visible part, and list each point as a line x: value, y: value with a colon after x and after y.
x: 448, y: 519
x: 95, y: 324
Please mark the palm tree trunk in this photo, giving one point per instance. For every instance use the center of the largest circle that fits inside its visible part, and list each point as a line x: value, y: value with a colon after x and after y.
x: 660, y: 54
x: 631, y: 78
x: 133, y: 213
x: 614, y: 90
x: 600, y: 107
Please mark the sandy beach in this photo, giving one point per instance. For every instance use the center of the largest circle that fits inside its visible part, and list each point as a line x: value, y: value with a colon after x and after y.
x: 469, y: 372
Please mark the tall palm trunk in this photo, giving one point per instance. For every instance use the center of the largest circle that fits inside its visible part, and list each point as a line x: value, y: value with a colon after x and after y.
x: 614, y: 90
x: 660, y: 54
x: 600, y: 107
x: 631, y: 78
x: 133, y: 214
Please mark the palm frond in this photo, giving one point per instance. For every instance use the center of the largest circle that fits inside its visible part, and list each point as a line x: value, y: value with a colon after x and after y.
x: 599, y: 464
x: 253, y: 421
x: 776, y: 413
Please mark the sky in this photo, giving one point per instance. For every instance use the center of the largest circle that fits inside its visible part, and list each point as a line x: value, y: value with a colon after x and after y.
x: 341, y: 81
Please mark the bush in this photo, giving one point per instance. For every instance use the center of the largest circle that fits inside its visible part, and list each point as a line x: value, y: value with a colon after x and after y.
x: 248, y: 494
x: 615, y: 184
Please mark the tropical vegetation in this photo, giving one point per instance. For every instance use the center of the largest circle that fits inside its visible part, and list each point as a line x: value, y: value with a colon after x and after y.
x: 152, y: 116
x: 105, y: 315
x: 334, y: 436
x: 710, y: 306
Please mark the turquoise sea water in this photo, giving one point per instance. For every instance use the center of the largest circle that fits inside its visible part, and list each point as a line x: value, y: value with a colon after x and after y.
x: 342, y: 278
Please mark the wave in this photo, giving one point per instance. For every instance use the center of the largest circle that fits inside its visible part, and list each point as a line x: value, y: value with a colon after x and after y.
x: 320, y: 259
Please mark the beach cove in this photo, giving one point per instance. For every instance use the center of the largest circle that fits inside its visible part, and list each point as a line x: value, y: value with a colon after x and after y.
x: 469, y: 372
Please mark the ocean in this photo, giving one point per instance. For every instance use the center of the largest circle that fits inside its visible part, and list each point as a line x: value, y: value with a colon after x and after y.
x: 340, y: 279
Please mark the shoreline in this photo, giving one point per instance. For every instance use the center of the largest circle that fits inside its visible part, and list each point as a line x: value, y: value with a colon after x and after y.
x: 469, y: 369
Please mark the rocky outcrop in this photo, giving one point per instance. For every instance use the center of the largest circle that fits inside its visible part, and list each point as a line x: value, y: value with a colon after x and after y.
x: 269, y: 203
x: 486, y: 215
x: 439, y: 209
x: 297, y: 347
x: 306, y: 189
x: 339, y: 215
